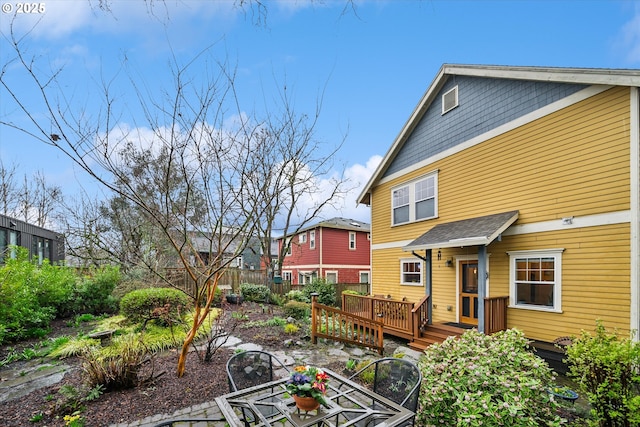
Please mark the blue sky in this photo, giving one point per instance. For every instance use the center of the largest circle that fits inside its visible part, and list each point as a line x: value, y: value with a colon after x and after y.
x: 373, y: 65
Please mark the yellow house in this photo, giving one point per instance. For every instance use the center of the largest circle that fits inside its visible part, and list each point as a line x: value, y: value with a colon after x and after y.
x: 514, y: 182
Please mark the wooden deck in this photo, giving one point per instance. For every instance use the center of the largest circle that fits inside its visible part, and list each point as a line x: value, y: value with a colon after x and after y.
x: 410, y: 320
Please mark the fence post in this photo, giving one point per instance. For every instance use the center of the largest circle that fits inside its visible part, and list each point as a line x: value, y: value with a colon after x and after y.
x: 314, y: 300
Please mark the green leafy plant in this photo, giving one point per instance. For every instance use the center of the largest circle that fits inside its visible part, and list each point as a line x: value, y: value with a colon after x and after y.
x: 37, y: 417
x: 139, y: 305
x: 255, y: 293
x: 308, y: 381
x: 114, y: 372
x: 297, y: 310
x: 486, y: 380
x: 326, y: 292
x: 94, y: 292
x: 290, y: 328
x: 606, y: 368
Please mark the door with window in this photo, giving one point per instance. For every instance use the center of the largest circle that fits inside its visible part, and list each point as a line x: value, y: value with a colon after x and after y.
x: 468, y: 277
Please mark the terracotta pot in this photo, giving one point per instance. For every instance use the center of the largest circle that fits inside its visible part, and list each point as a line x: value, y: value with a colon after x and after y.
x: 305, y: 403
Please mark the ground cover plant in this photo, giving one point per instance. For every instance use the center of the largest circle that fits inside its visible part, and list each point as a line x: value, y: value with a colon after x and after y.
x: 486, y: 380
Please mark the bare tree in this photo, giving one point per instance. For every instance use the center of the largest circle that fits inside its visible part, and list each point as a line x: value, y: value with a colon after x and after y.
x: 290, y: 162
x: 8, y: 188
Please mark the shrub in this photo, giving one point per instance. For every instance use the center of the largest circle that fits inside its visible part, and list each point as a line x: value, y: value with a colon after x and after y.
x: 297, y: 295
x: 297, y: 310
x: 276, y: 299
x: 326, y: 292
x: 255, y: 293
x: 31, y: 296
x: 139, y: 305
x: 94, y: 294
x: 290, y: 328
x: 485, y: 380
x: 606, y: 368
x: 114, y: 372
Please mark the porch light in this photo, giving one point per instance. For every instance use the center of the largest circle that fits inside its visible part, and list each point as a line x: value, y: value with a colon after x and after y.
x: 448, y: 263
x: 439, y: 255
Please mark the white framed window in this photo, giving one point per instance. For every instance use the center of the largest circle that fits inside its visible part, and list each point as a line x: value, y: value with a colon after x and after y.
x: 312, y: 239
x: 286, y: 275
x: 411, y: 272
x: 352, y: 240
x: 302, y: 238
x: 364, y: 277
x: 331, y: 277
x: 415, y: 201
x: 288, y: 243
x: 536, y: 279
x: 306, y: 277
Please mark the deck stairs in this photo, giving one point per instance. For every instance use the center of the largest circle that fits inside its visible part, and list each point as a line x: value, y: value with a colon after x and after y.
x: 435, y: 333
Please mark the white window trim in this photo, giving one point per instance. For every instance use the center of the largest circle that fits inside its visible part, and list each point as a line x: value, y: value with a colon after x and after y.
x: 412, y: 198
x: 312, y: 239
x: 367, y: 272
x: 287, y: 275
x: 288, y: 243
x: 413, y: 261
x: 302, y: 238
x: 331, y: 272
x: 352, y: 239
x: 557, y: 288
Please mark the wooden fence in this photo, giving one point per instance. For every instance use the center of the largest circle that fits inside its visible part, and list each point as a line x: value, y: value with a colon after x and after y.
x: 396, y: 316
x: 284, y: 288
x: 495, y: 314
x: 335, y: 324
x: 231, y: 279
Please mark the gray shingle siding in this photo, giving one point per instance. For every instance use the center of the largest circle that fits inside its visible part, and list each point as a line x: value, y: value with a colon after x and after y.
x: 483, y: 105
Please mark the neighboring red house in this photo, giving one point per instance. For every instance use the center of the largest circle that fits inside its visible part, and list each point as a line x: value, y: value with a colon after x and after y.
x: 337, y: 250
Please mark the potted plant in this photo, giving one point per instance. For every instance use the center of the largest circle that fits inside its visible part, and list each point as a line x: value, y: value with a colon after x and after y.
x: 308, y: 386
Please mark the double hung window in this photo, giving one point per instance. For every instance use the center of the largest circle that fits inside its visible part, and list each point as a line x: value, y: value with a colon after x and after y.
x: 415, y: 201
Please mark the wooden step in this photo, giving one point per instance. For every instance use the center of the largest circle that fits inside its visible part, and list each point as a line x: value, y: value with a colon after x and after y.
x: 435, y: 333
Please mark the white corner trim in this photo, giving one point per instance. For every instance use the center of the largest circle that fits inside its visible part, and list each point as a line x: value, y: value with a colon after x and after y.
x: 635, y: 211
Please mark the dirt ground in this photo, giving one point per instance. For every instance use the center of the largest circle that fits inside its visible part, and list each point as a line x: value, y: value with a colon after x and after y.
x: 166, y: 394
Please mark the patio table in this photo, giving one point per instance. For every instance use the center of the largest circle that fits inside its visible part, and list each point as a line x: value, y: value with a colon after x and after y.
x: 348, y: 404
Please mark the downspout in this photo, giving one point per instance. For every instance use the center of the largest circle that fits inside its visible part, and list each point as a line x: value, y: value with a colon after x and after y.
x: 482, y: 285
x: 634, y: 309
x: 428, y: 278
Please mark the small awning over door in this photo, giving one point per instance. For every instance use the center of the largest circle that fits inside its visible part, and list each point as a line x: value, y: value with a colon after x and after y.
x: 467, y: 232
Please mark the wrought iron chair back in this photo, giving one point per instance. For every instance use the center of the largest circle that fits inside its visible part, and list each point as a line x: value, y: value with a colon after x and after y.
x: 252, y: 367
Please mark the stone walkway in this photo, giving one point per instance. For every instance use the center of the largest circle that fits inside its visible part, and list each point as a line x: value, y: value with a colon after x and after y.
x: 322, y: 354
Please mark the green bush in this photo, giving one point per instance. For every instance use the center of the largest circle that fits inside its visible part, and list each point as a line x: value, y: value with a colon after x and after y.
x: 255, y: 293
x: 139, y: 305
x: 31, y: 296
x: 94, y: 293
x: 607, y: 369
x: 297, y: 295
x: 486, y: 380
x: 326, y: 292
x: 297, y: 310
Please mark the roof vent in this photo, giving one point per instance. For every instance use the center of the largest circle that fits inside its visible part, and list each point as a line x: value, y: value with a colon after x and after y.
x: 450, y: 100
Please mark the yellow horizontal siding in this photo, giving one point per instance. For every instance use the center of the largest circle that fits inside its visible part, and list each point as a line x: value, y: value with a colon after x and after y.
x: 572, y: 162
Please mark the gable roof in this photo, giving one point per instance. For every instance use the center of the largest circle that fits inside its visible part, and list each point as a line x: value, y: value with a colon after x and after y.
x: 589, y: 76
x: 338, y: 223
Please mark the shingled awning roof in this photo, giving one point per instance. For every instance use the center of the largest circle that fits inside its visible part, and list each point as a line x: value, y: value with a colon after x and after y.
x: 467, y: 232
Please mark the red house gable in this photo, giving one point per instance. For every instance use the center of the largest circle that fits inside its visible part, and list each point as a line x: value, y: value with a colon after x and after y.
x: 337, y: 250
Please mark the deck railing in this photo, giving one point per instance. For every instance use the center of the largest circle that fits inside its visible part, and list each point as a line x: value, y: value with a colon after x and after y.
x: 420, y: 315
x: 335, y: 324
x: 396, y: 316
x: 495, y: 314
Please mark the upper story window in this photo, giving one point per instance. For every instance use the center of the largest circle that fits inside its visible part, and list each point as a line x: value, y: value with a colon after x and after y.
x: 415, y: 201
x: 352, y: 240
x: 288, y: 243
x: 312, y: 239
x: 536, y: 279
x: 302, y: 238
x: 8, y: 238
